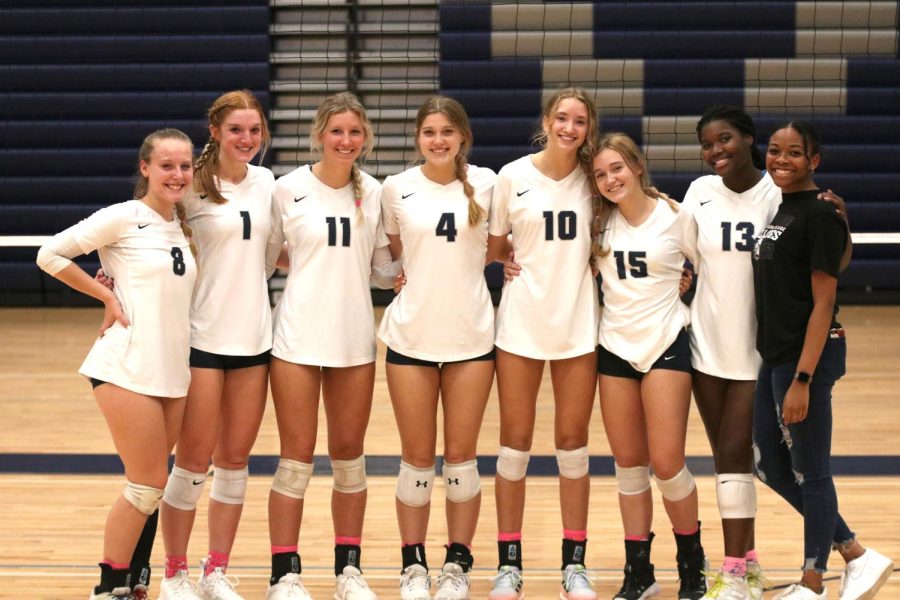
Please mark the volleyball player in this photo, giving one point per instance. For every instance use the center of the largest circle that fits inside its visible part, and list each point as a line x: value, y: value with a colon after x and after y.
x: 231, y: 335
x: 644, y: 361
x: 440, y: 336
x: 138, y: 366
x: 796, y: 261
x: 548, y: 313
x: 329, y: 214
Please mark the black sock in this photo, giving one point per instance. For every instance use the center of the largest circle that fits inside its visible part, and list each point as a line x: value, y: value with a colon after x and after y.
x: 459, y: 554
x: 510, y: 554
x: 414, y: 554
x: 345, y: 555
x: 112, y: 579
x: 689, y: 546
x: 284, y: 563
x: 572, y: 552
x: 140, y: 559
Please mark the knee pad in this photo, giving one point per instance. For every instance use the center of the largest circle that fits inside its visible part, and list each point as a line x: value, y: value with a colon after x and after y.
x: 183, y: 488
x: 461, y: 480
x: 573, y: 464
x: 632, y: 481
x: 349, y: 475
x: 512, y: 464
x: 677, y: 488
x: 144, y: 498
x: 292, y: 478
x: 736, y: 495
x: 229, y: 486
x: 414, y: 485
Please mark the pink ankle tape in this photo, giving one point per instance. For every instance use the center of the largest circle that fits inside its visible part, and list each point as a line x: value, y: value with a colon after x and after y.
x: 576, y: 535
x: 691, y: 532
x: 735, y: 566
x: 515, y: 536
x: 284, y: 549
x: 215, y: 560
x: 346, y: 540
x: 115, y: 566
x: 636, y: 538
x: 407, y: 544
x: 751, y: 555
x: 175, y: 564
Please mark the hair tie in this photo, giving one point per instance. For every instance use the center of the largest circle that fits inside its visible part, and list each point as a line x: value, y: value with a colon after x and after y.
x: 357, y: 202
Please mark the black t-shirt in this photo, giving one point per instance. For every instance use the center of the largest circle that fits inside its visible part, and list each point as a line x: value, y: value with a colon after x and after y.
x: 805, y: 235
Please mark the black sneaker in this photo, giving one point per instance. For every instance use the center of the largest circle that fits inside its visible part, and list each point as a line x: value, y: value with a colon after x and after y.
x: 692, y: 574
x: 639, y: 583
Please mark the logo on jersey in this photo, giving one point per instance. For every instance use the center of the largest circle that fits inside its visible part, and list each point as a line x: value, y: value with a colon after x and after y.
x: 404, y: 197
x: 707, y: 202
x: 203, y: 196
x: 142, y: 226
x: 197, y: 481
x: 520, y: 194
x: 300, y: 198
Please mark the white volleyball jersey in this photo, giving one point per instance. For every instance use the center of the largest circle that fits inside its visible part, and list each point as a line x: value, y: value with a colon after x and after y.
x: 154, y: 270
x: 550, y: 310
x: 444, y: 312
x: 325, y: 315
x: 642, y: 310
x: 230, y: 313
x: 723, y: 321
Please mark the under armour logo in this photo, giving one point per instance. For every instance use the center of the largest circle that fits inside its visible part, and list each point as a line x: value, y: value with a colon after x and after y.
x: 453, y: 481
x: 421, y: 483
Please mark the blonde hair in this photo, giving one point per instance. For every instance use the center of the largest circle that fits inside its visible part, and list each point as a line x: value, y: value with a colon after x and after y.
x: 634, y: 159
x: 334, y: 105
x: 142, y: 185
x: 586, y: 151
x: 206, y: 165
x: 457, y: 116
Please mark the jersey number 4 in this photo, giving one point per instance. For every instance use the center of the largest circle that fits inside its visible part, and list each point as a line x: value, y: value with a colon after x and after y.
x: 745, y: 229
x: 447, y: 227
x: 332, y: 231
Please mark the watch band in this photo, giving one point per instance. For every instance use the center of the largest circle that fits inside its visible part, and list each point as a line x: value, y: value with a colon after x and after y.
x: 802, y: 377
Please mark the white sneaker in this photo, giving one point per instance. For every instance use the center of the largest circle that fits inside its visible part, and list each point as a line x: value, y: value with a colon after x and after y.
x: 728, y: 587
x: 756, y: 581
x: 864, y: 576
x: 576, y: 584
x: 139, y: 592
x: 452, y: 583
x: 122, y: 593
x: 507, y: 584
x: 798, y: 591
x: 217, y: 585
x: 289, y: 587
x: 350, y: 585
x: 179, y: 587
x: 415, y: 583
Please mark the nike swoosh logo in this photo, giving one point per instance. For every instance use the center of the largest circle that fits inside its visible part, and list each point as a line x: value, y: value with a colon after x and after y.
x: 707, y: 202
x: 669, y: 357
x: 142, y: 226
x: 406, y: 196
x: 195, y: 482
x: 203, y: 196
x: 519, y: 194
x: 300, y: 198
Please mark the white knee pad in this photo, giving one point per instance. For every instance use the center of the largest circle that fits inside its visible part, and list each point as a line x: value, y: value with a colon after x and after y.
x: 292, y: 478
x: 143, y: 497
x: 461, y: 480
x: 414, y: 485
x: 349, y: 475
x: 736, y: 494
x: 512, y: 464
x: 183, y: 488
x: 677, y: 488
x: 633, y: 480
x: 229, y: 486
x: 573, y: 464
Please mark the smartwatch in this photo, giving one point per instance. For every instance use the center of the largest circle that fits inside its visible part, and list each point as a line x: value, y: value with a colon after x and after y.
x: 802, y: 377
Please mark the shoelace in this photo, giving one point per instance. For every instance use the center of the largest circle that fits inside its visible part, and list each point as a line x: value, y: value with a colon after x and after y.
x: 718, y: 586
x: 577, y: 579
x: 184, y: 587
x: 457, y: 580
x: 229, y: 580
x: 507, y: 576
x: 757, y: 579
x: 356, y: 581
x: 418, y: 581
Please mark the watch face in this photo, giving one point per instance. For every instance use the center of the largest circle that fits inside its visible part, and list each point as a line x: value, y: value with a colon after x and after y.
x: 802, y: 377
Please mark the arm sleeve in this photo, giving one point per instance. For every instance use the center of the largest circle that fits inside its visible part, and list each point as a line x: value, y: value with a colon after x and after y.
x: 102, y: 228
x: 499, y: 215
x: 276, y: 235
x: 57, y: 253
x: 388, y: 216
x: 384, y: 268
x: 827, y: 235
x: 688, y: 235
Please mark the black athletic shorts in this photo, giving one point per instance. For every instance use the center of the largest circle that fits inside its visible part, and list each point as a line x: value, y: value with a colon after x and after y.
x: 677, y: 357
x: 224, y: 362
x: 395, y: 358
x: 96, y: 382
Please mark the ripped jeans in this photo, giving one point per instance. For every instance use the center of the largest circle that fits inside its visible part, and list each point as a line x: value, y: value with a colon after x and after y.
x: 795, y: 460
